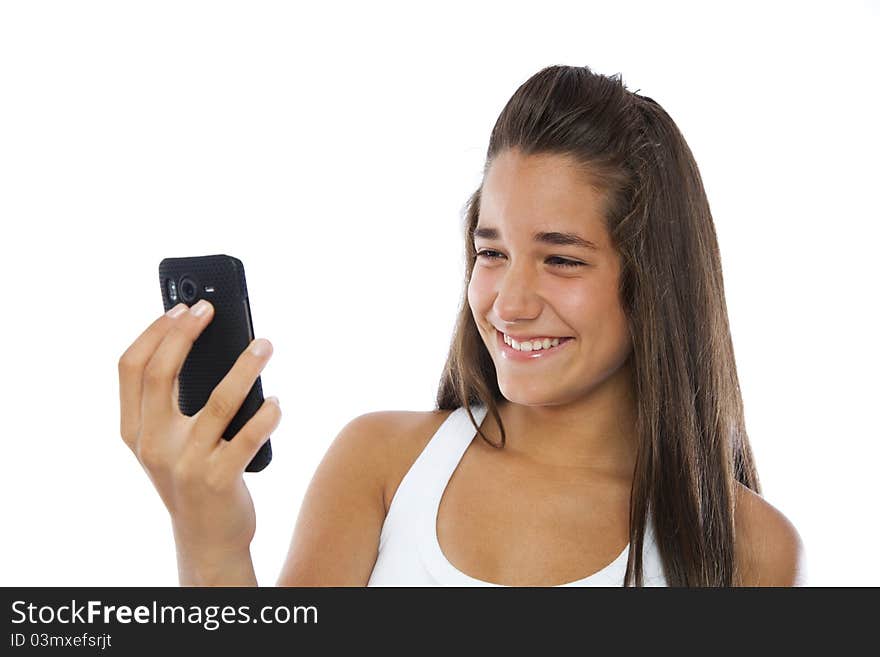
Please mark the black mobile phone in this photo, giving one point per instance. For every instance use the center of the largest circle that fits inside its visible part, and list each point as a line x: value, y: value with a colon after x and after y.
x: 219, y: 279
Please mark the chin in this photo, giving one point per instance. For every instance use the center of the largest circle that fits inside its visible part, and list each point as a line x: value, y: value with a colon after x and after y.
x: 532, y: 395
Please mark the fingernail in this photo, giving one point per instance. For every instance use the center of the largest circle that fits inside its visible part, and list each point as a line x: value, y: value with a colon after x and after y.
x: 177, y: 310
x: 200, y: 308
x: 260, y: 347
x: 274, y: 400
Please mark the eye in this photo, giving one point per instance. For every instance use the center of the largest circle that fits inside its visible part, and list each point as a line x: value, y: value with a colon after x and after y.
x: 564, y: 262
x: 492, y: 255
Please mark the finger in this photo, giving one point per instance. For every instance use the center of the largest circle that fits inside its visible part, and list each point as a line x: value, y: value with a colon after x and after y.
x: 236, y: 453
x: 225, y: 400
x: 164, y: 366
x: 131, y: 371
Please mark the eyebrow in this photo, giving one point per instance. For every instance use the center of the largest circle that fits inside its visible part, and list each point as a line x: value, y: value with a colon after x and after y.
x: 553, y: 237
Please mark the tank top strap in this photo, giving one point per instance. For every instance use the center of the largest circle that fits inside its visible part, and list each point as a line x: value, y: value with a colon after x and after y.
x: 447, y: 447
x: 422, y: 486
x: 443, y: 453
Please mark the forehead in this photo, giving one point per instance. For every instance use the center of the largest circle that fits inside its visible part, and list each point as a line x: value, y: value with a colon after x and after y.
x: 540, y: 192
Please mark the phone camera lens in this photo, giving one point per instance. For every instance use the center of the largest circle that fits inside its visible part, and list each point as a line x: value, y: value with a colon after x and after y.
x: 188, y: 290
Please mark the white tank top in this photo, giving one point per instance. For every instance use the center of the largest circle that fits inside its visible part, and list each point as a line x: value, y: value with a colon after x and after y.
x: 409, y: 552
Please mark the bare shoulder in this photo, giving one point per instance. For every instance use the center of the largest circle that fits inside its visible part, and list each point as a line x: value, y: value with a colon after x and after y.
x: 769, y: 550
x: 336, y: 537
x: 400, y: 436
x: 384, y: 434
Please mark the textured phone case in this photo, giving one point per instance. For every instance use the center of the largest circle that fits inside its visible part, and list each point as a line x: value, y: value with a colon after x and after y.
x: 219, y: 279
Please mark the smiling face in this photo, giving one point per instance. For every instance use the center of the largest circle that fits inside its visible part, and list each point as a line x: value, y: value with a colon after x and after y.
x: 537, y: 279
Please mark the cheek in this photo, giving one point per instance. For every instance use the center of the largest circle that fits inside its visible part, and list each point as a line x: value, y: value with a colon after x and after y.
x: 594, y: 310
x: 479, y: 292
x: 577, y: 307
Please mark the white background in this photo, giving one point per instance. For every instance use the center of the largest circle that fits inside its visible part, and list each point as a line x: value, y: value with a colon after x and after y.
x: 332, y: 150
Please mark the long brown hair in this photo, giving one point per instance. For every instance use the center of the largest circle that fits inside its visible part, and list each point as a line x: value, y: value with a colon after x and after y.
x: 692, y: 439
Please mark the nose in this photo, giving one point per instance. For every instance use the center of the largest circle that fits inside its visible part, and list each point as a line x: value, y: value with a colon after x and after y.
x: 516, y: 299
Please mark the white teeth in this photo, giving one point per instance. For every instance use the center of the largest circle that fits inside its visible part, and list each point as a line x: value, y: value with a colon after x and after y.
x: 531, y: 345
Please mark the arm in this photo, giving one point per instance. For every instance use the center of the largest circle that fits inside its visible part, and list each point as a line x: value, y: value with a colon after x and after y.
x: 197, y: 569
x: 197, y: 474
x: 336, y: 538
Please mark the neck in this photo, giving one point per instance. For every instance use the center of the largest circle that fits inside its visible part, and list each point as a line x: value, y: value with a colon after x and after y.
x: 594, y: 433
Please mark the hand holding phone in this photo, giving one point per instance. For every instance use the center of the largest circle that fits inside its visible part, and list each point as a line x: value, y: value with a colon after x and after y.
x: 197, y: 472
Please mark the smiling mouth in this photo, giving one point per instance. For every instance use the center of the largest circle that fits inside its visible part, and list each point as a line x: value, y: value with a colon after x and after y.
x: 535, y: 346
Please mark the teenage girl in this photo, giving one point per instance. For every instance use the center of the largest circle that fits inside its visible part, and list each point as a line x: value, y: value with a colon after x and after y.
x: 589, y: 426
